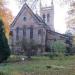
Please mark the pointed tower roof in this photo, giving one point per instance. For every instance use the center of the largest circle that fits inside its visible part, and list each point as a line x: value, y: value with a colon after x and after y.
x: 27, y: 9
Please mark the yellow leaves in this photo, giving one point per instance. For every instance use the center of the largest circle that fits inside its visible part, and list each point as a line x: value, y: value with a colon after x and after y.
x: 7, y: 18
x: 6, y: 15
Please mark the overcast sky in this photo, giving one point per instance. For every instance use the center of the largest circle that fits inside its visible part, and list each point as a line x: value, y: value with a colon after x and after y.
x: 60, y: 13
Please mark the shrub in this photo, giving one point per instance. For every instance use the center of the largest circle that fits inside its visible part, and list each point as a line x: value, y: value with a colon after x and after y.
x: 14, y: 58
x: 4, y: 48
x: 57, y: 48
x: 29, y: 47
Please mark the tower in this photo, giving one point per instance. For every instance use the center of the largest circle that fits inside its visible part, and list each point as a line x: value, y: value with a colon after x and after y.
x: 47, y: 14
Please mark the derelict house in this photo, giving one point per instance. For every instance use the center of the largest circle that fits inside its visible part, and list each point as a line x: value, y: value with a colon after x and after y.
x: 31, y: 26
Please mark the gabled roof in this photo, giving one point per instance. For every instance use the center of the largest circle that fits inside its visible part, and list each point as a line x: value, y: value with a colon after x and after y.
x: 35, y: 16
x: 38, y: 20
x: 53, y: 32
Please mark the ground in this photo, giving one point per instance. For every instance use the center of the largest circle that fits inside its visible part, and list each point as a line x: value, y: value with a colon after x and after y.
x: 40, y: 65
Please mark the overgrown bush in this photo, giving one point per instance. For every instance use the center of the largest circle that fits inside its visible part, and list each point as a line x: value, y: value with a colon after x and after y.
x: 29, y: 47
x: 14, y: 58
x: 57, y: 48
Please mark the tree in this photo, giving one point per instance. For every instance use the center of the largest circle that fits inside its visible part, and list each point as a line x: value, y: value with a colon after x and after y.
x: 56, y: 48
x: 4, y: 48
x: 31, y: 3
x: 6, y: 15
x: 71, y: 17
x: 68, y: 42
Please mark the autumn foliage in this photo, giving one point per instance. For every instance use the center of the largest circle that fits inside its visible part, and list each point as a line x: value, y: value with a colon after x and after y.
x: 6, y: 15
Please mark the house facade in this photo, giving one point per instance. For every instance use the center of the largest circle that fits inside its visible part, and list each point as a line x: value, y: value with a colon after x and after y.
x: 32, y: 27
x: 29, y: 26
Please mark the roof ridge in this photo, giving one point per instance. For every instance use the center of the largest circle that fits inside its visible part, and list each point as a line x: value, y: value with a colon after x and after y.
x: 20, y: 12
x: 36, y: 18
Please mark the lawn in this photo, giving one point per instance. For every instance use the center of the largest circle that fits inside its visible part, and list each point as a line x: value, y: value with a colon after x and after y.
x: 40, y: 65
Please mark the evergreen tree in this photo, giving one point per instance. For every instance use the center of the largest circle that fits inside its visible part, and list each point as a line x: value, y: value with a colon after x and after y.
x: 68, y: 42
x: 4, y: 48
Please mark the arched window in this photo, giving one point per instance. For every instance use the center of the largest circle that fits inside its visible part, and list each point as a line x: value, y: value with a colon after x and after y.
x: 48, y: 17
x: 40, y: 31
x: 31, y: 32
x: 24, y: 31
x: 17, y: 33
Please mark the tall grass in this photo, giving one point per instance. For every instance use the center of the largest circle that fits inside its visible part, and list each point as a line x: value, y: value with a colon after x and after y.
x: 41, y: 65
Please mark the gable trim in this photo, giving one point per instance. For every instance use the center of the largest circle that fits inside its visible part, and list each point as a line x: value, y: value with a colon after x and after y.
x: 33, y: 15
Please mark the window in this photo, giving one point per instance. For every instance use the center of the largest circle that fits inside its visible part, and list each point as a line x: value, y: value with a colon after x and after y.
x: 31, y: 32
x: 24, y: 31
x: 24, y: 18
x: 44, y: 17
x: 17, y: 33
x: 40, y: 31
x: 48, y: 17
x: 11, y: 33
